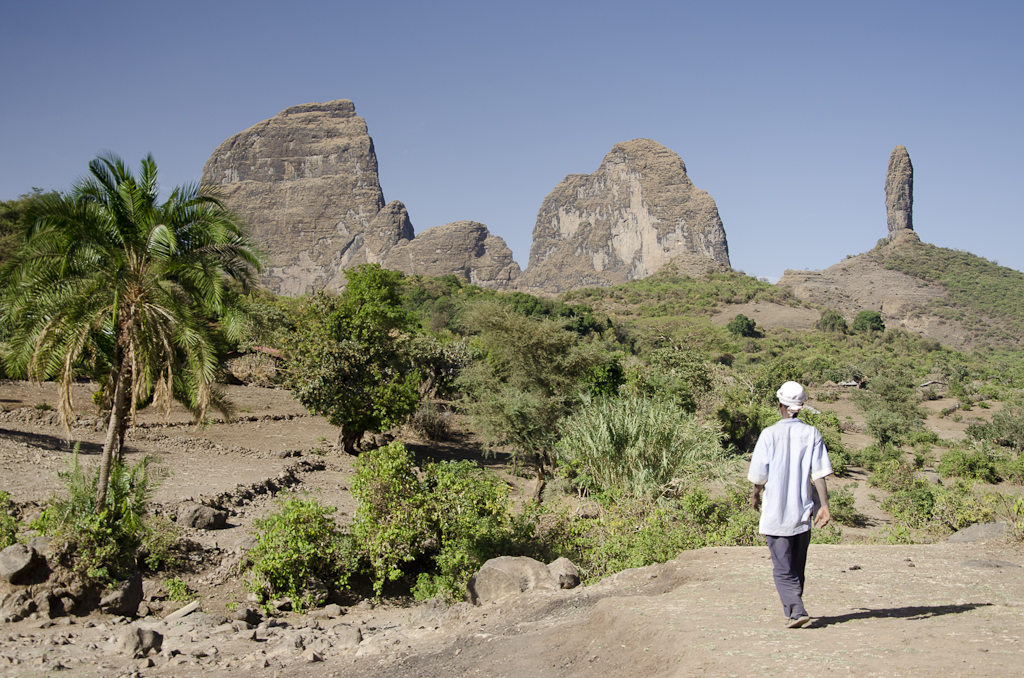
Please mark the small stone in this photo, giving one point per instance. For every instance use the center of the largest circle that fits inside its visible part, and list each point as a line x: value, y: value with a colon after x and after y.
x: 311, y: 656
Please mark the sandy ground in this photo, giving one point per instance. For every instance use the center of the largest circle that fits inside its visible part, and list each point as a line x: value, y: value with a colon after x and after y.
x: 957, y: 609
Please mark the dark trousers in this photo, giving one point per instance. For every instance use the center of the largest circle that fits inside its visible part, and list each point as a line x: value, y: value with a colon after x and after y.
x: 789, y: 556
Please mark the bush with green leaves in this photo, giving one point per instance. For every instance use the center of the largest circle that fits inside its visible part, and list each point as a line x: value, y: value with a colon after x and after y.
x: 682, y: 376
x: 868, y: 321
x: 1006, y: 428
x: 940, y: 508
x: 101, y: 545
x: 894, y: 475
x: 349, y: 359
x: 471, y: 521
x: 300, y: 551
x: 644, y: 447
x: 8, y: 521
x: 832, y: 321
x: 742, y: 423
x: 436, y: 530
x: 527, y: 375
x: 636, y: 532
x: 742, y: 326
x: 976, y: 463
x: 841, y: 506
x: 179, y: 590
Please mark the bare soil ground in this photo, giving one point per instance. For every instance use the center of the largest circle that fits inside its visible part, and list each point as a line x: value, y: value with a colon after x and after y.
x: 880, y: 610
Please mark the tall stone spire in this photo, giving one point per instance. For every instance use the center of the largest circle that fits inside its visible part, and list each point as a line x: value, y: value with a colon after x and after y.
x: 899, y: 192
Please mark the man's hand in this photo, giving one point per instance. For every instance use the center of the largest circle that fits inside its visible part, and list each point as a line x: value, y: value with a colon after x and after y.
x: 755, y: 497
x: 823, y: 518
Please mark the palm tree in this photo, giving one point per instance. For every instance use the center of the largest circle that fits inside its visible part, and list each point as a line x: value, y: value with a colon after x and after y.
x: 110, y: 280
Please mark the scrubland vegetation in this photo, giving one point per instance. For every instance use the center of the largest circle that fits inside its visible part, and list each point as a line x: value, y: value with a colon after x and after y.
x: 631, y: 411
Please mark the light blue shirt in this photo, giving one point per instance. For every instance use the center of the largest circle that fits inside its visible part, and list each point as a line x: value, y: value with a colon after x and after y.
x: 787, y: 457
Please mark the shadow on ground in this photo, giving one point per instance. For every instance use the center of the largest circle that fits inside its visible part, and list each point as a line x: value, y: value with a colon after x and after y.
x: 911, y: 613
x: 48, y: 442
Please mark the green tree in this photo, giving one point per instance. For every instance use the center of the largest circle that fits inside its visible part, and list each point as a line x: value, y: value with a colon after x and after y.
x: 867, y: 321
x: 742, y: 326
x: 108, y: 275
x: 350, y: 357
x: 526, y: 379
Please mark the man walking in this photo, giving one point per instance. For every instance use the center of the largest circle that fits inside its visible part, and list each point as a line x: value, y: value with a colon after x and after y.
x: 790, y: 464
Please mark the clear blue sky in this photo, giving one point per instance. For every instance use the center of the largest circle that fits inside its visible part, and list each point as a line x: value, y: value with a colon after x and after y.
x: 785, y: 112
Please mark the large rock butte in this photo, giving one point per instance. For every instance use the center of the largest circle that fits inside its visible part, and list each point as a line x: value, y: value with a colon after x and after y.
x: 625, y: 221
x: 306, y: 183
x: 899, y: 192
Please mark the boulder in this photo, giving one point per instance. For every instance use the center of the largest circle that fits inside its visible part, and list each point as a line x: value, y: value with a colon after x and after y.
x: 565, y: 573
x: 124, y: 599
x: 978, y: 532
x: 136, y: 641
x: 15, y: 606
x: 507, y: 576
x: 17, y: 562
x: 201, y: 517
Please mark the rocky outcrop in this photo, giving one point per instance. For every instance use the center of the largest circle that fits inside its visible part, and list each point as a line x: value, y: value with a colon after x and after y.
x: 306, y: 183
x: 899, y: 193
x: 462, y: 248
x: 625, y: 221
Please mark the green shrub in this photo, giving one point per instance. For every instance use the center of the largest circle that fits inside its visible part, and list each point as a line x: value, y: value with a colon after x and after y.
x: 437, y: 531
x: 102, y: 545
x: 830, y: 534
x: 841, y: 505
x: 976, y: 464
x: 161, y: 547
x: 8, y: 521
x: 868, y: 321
x: 299, y: 552
x: 1011, y: 469
x: 894, y: 475
x: 391, y: 523
x: 636, y: 532
x: 940, y: 508
x: 641, y: 446
x: 471, y: 521
x: 743, y: 423
x: 742, y: 326
x: 179, y: 590
x: 832, y: 321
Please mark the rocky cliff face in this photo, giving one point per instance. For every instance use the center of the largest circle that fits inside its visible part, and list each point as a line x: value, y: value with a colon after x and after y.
x: 462, y: 248
x: 899, y: 193
x: 625, y: 221
x: 306, y: 183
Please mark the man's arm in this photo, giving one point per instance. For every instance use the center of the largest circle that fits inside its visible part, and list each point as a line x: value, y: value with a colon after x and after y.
x: 824, y: 516
x: 755, y: 497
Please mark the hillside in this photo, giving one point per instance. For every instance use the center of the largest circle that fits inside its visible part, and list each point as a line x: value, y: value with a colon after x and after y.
x: 955, y: 297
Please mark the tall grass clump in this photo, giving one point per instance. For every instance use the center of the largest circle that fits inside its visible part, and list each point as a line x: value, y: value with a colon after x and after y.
x: 645, y: 447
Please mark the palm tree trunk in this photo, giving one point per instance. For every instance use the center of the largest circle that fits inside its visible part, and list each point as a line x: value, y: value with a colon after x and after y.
x: 112, y: 444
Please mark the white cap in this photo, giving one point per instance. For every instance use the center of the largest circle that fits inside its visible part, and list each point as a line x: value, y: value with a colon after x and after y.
x: 792, y: 395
